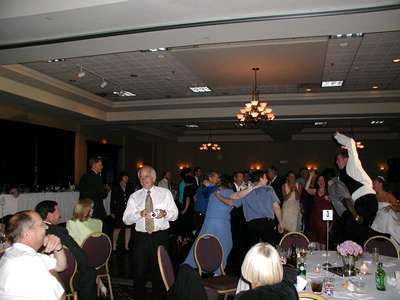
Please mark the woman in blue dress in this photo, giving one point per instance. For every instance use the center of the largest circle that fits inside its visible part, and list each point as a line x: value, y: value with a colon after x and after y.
x: 218, y: 220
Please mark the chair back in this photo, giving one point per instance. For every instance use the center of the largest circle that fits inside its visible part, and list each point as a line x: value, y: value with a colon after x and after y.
x: 291, y: 238
x: 208, y: 254
x: 67, y: 275
x: 385, y: 246
x: 166, y: 267
x: 310, y: 296
x: 97, y: 247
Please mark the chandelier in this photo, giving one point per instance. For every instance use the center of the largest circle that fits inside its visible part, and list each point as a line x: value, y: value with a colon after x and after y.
x: 210, y: 146
x: 255, y: 110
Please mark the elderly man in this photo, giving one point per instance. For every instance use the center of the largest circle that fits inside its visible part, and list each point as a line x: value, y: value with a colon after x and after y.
x: 25, y: 273
x: 86, y: 276
x: 150, y: 208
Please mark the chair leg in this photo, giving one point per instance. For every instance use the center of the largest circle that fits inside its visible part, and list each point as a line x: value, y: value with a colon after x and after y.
x: 110, y: 287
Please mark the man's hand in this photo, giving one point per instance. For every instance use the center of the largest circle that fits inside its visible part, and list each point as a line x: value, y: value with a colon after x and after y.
x: 280, y: 228
x: 51, y: 243
x: 146, y: 214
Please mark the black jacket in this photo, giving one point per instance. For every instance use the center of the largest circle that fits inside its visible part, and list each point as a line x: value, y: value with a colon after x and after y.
x: 69, y: 242
x: 188, y: 285
x: 91, y: 186
x: 284, y: 290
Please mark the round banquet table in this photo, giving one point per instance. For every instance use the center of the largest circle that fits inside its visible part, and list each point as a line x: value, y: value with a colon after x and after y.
x: 369, y: 291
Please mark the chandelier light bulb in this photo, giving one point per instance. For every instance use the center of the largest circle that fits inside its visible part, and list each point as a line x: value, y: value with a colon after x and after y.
x: 255, y: 110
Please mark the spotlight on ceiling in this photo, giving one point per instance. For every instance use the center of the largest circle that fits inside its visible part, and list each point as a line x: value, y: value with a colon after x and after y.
x: 103, y: 84
x: 81, y: 73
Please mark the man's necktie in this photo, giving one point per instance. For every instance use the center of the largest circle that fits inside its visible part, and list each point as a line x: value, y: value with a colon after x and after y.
x: 149, y: 223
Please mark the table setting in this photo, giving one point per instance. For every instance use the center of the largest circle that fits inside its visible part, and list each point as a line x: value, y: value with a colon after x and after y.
x: 349, y: 273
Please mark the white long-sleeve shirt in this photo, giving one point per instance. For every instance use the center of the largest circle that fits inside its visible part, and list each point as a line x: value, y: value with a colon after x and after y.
x: 354, y: 168
x: 24, y: 274
x: 162, y: 199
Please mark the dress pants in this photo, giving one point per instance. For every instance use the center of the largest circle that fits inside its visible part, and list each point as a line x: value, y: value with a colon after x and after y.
x: 261, y: 229
x: 86, y: 283
x: 146, y: 265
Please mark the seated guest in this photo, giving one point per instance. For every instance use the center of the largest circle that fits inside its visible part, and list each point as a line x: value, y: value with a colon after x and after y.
x: 82, y: 224
x: 25, y: 273
x: 387, y: 219
x: 86, y: 276
x: 262, y: 268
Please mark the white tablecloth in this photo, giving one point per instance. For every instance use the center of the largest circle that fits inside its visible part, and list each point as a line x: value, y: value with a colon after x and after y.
x: 369, y: 292
x: 66, y: 202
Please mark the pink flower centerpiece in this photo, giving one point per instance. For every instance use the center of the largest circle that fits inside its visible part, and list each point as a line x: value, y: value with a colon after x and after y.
x: 349, y: 251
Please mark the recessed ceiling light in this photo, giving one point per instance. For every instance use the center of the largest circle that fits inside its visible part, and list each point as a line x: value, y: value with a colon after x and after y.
x: 320, y: 123
x: 192, y: 126
x: 377, y: 122
x: 347, y: 35
x: 124, y: 94
x: 308, y: 90
x: 375, y: 87
x: 332, y: 83
x: 56, y: 60
x: 396, y: 60
x: 200, y: 89
x: 155, y: 49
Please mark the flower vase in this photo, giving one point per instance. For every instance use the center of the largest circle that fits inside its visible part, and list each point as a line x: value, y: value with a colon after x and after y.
x: 349, y: 265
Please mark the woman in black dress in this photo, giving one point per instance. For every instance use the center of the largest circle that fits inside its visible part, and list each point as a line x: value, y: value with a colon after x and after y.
x: 119, y: 198
x: 186, y: 213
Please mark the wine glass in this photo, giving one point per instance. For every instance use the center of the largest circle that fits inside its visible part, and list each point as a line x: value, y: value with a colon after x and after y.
x: 312, y: 247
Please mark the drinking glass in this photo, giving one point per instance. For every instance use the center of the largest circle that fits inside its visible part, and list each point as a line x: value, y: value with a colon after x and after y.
x: 375, y: 254
x: 312, y: 247
x: 329, y: 285
x: 316, y: 285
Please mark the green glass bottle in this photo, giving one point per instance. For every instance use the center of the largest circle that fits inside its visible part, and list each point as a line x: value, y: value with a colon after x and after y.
x: 380, y: 278
x: 302, y: 270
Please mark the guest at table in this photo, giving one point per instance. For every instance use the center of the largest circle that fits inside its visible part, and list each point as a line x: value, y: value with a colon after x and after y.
x: 82, y: 224
x: 86, y: 275
x: 25, y: 273
x: 166, y: 181
x: 263, y: 269
x: 119, y: 198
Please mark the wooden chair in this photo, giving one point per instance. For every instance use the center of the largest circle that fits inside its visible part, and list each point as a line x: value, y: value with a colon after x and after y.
x: 294, y: 237
x: 67, y: 276
x: 385, y: 245
x: 97, y: 247
x: 166, y: 267
x: 209, y: 257
x: 310, y: 296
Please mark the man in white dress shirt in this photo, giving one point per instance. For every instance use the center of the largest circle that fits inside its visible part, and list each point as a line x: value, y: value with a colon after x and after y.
x: 150, y: 208
x: 25, y: 273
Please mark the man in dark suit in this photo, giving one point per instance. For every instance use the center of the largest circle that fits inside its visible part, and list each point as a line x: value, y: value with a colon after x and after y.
x: 92, y: 186
x: 238, y: 228
x: 86, y: 276
x: 275, y: 181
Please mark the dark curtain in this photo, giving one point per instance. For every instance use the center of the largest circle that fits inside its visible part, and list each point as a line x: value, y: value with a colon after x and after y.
x: 32, y: 154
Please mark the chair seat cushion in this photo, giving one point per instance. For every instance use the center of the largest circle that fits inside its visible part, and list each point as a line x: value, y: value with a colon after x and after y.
x: 221, y: 283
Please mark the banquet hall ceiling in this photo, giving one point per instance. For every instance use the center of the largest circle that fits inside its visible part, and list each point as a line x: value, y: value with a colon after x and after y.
x: 208, y: 44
